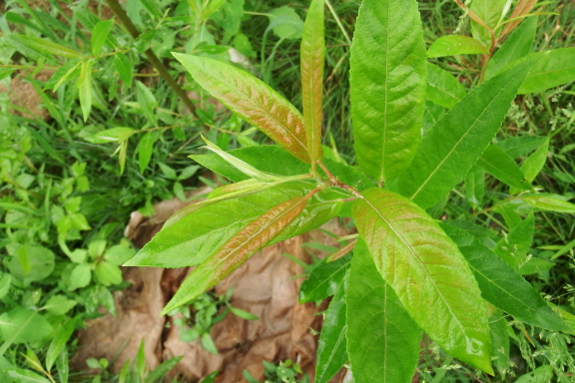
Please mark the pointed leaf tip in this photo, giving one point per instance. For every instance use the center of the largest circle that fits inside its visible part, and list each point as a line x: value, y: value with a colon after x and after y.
x: 427, y: 272
x: 252, y: 100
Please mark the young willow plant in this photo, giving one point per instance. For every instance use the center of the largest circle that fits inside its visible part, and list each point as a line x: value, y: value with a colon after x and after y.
x: 408, y: 273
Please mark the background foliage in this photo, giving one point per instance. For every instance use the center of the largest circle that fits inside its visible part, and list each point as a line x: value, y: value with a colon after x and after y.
x: 69, y: 182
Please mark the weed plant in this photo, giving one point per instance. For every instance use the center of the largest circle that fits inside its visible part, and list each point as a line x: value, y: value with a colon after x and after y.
x: 66, y: 188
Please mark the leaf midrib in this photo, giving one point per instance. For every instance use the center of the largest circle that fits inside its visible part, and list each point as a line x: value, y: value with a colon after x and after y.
x: 461, y: 139
x: 263, y: 109
x: 262, y: 229
x: 420, y: 262
x: 385, y: 102
x: 535, y: 311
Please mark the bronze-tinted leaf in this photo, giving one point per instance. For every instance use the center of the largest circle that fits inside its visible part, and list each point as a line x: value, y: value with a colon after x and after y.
x: 522, y: 8
x: 252, y: 100
x: 237, y: 250
x: 312, y: 59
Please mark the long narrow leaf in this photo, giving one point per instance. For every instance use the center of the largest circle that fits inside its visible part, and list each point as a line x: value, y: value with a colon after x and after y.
x: 523, y: 8
x: 557, y: 67
x: 237, y: 250
x: 49, y: 47
x: 388, y: 76
x: 427, y: 272
x: 252, y: 100
x: 312, y: 62
x: 84, y: 85
x: 518, y: 45
x: 331, y: 348
x: 501, y: 166
x: 502, y: 286
x: 442, y: 88
x: 454, y: 144
x: 383, y: 340
x: 213, y: 225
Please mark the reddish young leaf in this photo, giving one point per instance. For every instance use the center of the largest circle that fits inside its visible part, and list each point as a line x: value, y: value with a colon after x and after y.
x: 427, y: 272
x: 522, y: 8
x: 252, y: 100
x: 237, y: 250
x: 312, y: 59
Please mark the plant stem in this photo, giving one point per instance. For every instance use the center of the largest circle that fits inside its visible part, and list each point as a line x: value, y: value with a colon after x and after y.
x: 157, y: 64
x: 338, y: 21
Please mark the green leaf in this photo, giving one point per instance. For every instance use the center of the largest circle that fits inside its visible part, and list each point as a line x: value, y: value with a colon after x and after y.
x: 243, y: 314
x: 147, y: 101
x: 208, y: 343
x: 387, y: 93
x: 124, y: 68
x: 500, y: 341
x: 285, y: 23
x: 251, y: 99
x: 21, y: 325
x: 229, y: 17
x: 100, y: 34
x: 323, y: 280
x: 312, y: 63
x: 118, y: 254
x: 452, y: 45
x: 268, y: 159
x: 490, y: 12
x: 477, y: 231
x: 79, y: 276
x: 557, y: 67
x: 535, y: 265
x: 26, y: 376
x: 514, y: 247
x: 84, y: 85
x: 108, y: 274
x: 442, y: 88
x: 63, y: 365
x: 211, y: 378
x: 59, y: 342
x: 383, y: 340
x: 433, y: 113
x: 501, y: 166
x: 146, y: 148
x: 535, y: 162
x: 111, y: 135
x: 24, y: 259
x: 17, y: 43
x: 59, y: 304
x: 178, y: 246
x: 517, y: 45
x: 475, y: 186
x: 163, y: 369
x: 548, y: 202
x: 331, y: 348
x: 66, y: 72
x: 541, y: 374
x: 501, y: 285
x: 47, y: 46
x: 240, y: 165
x: 40, y: 260
x: 5, y: 283
x: 212, y: 7
x: 237, y: 250
x: 520, y: 146
x: 448, y: 150
x: 427, y: 272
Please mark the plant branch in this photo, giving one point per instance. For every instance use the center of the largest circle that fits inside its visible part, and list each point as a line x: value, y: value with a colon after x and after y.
x: 154, y: 60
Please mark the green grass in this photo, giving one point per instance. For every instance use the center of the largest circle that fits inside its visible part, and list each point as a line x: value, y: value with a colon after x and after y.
x: 112, y: 196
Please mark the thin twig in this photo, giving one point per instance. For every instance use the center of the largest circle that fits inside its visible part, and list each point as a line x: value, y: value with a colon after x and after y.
x: 157, y: 64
